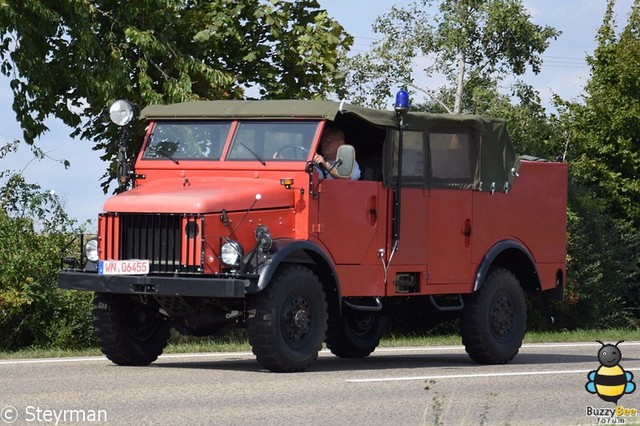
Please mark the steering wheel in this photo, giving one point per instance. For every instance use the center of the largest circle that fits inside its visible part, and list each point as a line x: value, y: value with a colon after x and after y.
x: 278, y: 153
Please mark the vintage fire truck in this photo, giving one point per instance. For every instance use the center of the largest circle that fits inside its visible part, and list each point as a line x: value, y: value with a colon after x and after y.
x: 224, y: 220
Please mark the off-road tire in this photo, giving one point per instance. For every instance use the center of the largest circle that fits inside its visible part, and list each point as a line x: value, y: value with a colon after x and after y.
x: 287, y: 321
x: 354, y: 334
x: 494, y: 319
x: 129, y: 332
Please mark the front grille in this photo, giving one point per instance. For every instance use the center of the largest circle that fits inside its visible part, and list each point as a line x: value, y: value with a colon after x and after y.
x: 171, y: 242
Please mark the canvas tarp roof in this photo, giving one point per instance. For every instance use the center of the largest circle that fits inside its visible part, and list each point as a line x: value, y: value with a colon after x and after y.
x: 265, y: 109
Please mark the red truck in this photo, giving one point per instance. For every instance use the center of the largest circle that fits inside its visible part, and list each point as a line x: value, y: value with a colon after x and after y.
x: 225, y: 220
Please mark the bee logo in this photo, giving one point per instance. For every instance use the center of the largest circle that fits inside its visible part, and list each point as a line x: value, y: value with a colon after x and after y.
x: 610, y: 381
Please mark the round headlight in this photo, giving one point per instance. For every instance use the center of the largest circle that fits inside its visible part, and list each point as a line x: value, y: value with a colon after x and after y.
x: 121, y: 112
x: 231, y: 253
x: 91, y: 250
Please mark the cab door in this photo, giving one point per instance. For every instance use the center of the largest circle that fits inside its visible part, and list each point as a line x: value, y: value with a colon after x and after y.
x: 450, y: 233
x: 351, y: 220
x: 453, y: 159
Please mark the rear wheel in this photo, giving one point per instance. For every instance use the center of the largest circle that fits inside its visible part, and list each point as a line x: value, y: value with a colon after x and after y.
x: 494, y: 320
x: 129, y: 332
x: 288, y: 320
x: 355, y: 334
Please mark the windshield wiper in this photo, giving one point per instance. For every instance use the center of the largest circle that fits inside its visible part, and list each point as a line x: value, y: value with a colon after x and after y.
x: 164, y: 154
x: 254, y: 154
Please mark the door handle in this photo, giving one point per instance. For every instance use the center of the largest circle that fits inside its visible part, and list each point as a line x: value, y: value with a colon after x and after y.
x: 467, y: 233
x: 467, y: 228
x: 372, y: 213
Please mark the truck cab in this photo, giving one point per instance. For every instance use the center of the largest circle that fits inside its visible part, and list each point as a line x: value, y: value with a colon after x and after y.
x: 225, y: 220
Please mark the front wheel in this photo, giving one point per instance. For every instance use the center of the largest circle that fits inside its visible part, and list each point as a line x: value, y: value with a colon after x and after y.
x: 129, y: 332
x: 288, y: 320
x: 494, y: 320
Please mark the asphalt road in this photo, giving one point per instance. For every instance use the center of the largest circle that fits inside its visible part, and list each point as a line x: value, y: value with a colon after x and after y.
x: 545, y: 384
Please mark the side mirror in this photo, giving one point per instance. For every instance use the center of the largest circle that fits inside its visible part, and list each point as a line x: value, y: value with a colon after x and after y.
x: 346, y: 159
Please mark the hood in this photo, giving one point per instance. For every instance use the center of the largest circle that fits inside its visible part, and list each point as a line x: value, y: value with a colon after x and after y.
x: 201, y: 195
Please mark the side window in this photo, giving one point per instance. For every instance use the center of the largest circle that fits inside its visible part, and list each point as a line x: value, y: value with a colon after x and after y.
x: 453, y: 156
x: 414, y: 170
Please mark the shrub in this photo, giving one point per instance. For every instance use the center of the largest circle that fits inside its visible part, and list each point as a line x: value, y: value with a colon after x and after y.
x: 33, y: 311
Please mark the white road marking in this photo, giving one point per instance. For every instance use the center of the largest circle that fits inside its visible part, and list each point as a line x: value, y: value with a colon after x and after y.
x: 102, y: 358
x: 205, y: 355
x: 574, y: 345
x: 526, y: 345
x: 324, y: 352
x: 481, y: 375
x: 485, y: 375
x: 51, y: 360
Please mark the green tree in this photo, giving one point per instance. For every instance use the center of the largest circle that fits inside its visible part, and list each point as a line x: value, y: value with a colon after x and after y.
x: 70, y: 59
x: 469, y: 42
x: 604, y: 158
x: 605, y: 144
x: 532, y: 129
x: 603, y: 265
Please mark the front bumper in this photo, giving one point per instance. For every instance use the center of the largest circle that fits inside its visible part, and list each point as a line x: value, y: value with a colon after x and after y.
x: 227, y: 287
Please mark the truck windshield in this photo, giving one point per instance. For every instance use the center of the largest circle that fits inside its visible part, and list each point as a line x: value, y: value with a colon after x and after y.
x: 180, y: 140
x: 267, y: 141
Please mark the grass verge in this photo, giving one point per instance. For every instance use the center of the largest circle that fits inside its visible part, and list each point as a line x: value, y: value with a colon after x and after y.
x: 236, y: 342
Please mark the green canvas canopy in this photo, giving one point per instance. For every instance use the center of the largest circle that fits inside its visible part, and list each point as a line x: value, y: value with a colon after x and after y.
x: 236, y: 109
x: 492, y: 157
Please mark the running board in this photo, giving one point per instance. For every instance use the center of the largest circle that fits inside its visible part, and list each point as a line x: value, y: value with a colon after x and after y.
x: 452, y: 304
x: 369, y: 308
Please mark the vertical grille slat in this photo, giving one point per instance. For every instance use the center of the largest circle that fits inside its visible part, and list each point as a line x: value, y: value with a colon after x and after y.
x: 158, y: 238
x: 144, y: 238
x: 111, y: 226
x: 188, y: 249
x: 169, y: 248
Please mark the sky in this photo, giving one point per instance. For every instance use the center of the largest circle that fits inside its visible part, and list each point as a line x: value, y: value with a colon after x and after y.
x: 564, y: 72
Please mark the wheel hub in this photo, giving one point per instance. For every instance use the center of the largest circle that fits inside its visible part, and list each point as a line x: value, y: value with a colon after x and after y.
x: 502, y: 316
x: 297, y: 319
x: 301, y: 319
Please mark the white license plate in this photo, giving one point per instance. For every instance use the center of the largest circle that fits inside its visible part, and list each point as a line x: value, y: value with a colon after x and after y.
x: 123, y: 267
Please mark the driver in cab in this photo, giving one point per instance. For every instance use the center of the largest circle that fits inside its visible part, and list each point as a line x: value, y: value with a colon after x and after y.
x: 332, y: 138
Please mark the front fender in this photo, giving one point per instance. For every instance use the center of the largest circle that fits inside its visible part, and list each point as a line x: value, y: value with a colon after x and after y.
x: 295, y: 251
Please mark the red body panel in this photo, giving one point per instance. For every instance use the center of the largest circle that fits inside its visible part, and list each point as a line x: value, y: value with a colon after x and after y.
x: 533, y: 213
x: 201, y: 195
x: 241, y: 227
x: 445, y: 234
